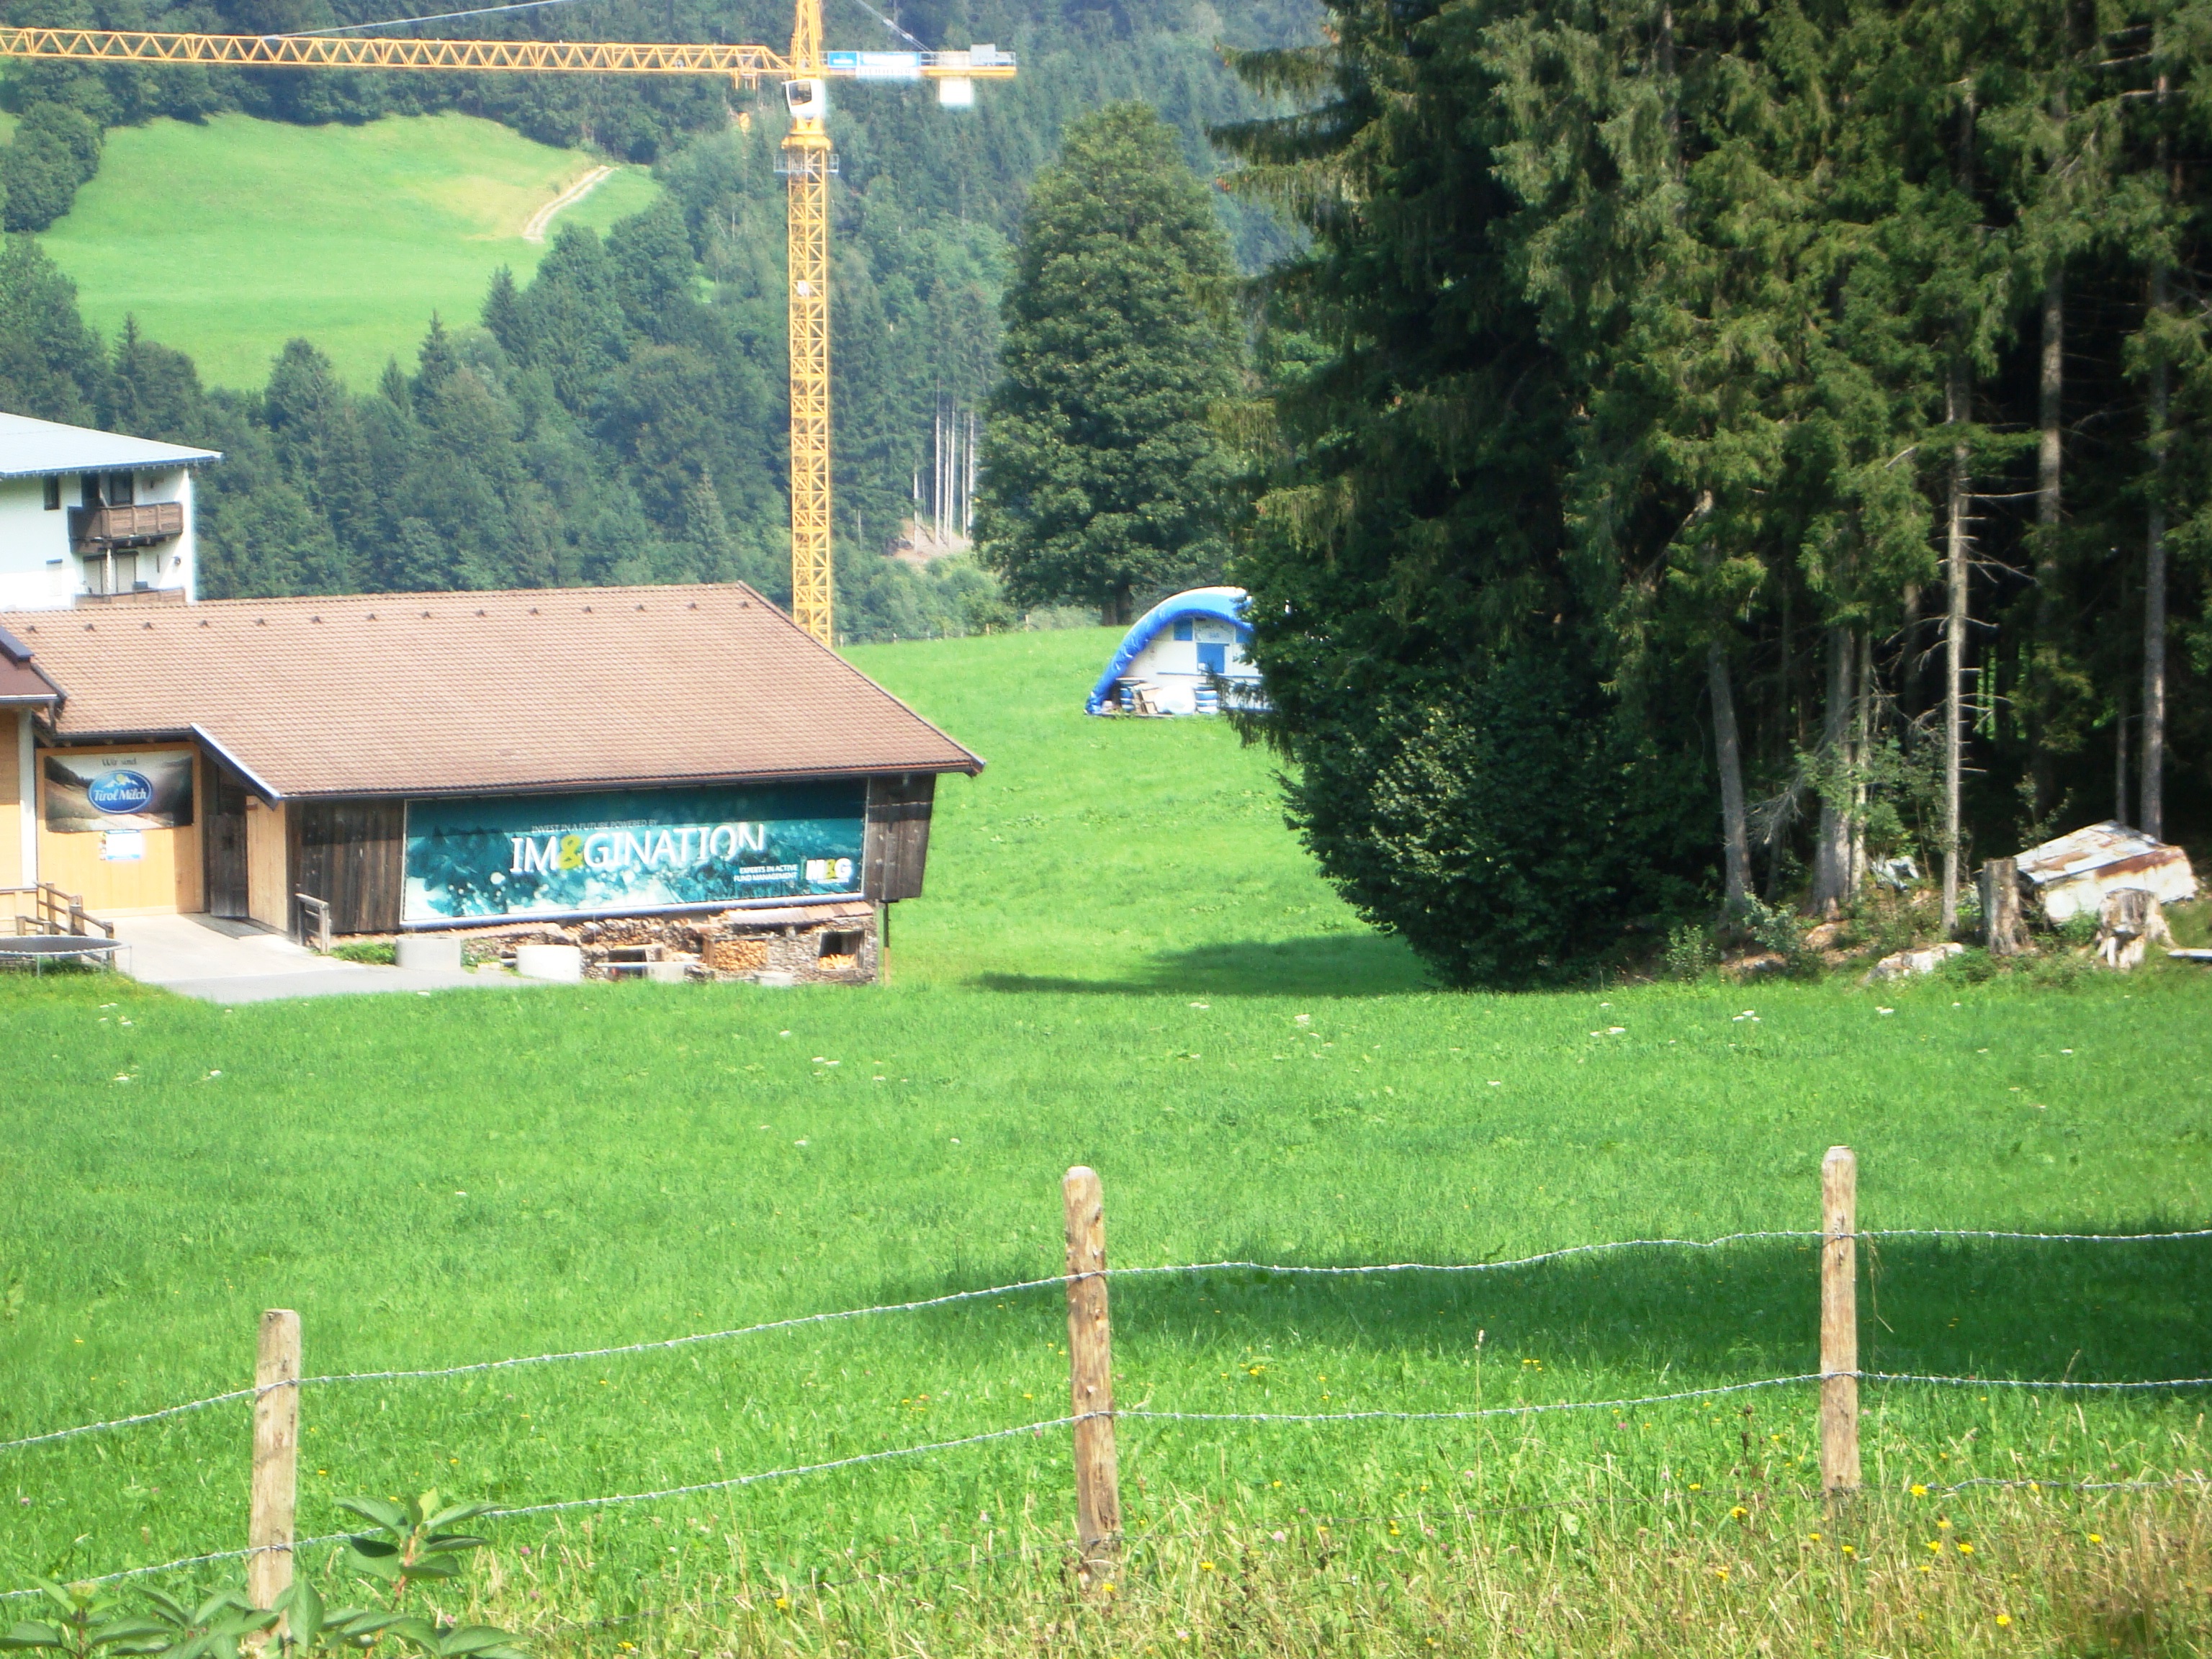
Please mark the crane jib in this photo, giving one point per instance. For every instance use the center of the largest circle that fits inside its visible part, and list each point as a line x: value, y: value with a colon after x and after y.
x: 748, y: 63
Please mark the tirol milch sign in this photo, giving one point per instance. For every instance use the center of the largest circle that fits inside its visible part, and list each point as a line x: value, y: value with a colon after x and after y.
x: 90, y: 790
x: 631, y: 850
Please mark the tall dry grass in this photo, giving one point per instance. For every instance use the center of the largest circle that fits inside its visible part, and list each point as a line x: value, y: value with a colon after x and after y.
x: 1995, y: 1570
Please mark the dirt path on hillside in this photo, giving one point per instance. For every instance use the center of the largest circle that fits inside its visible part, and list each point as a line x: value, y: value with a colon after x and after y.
x: 539, y: 220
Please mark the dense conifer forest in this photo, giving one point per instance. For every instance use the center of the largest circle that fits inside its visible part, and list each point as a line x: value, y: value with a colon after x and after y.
x: 1719, y: 450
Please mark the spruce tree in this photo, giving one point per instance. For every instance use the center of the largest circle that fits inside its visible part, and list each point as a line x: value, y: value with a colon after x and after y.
x: 1102, y: 480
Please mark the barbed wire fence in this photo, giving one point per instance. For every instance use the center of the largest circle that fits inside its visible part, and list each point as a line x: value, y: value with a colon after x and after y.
x: 273, y: 1546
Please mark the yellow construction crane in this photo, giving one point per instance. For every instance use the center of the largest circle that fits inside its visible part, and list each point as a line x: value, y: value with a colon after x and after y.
x: 807, y: 162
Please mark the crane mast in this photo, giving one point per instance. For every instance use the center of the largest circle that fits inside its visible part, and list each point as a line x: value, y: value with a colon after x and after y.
x: 807, y: 160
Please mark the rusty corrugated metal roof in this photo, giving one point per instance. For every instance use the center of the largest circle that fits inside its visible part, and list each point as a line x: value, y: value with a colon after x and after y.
x: 532, y: 688
x: 2080, y: 852
x: 2072, y: 874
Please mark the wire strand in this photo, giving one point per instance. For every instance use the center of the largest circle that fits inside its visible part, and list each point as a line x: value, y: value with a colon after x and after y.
x: 1020, y: 1286
x: 434, y: 17
x: 128, y: 1422
x: 911, y: 40
x: 806, y: 1468
x: 2040, y: 1238
x: 2027, y: 1382
x: 1527, y: 1410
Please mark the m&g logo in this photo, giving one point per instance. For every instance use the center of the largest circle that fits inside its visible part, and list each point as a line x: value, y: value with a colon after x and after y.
x: 674, y: 848
x: 120, y: 792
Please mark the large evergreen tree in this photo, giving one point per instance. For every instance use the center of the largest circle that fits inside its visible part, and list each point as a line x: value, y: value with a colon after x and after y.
x: 1800, y: 394
x: 1103, y: 477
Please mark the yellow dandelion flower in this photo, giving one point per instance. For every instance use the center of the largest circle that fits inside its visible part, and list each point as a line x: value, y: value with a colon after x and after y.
x: 1738, y: 1513
x: 1966, y: 1548
x: 1696, y: 1487
x: 1942, y: 1523
x: 2004, y: 1618
x: 783, y: 1604
x: 1812, y: 1537
x: 1935, y: 1544
x: 1920, y: 1492
x: 1851, y: 1549
x: 2096, y: 1538
x: 1206, y: 1566
x: 1720, y: 1572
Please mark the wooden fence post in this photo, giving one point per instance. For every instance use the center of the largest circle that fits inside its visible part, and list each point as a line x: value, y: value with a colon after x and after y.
x: 1091, y: 1371
x: 1839, y: 1322
x: 275, y: 1458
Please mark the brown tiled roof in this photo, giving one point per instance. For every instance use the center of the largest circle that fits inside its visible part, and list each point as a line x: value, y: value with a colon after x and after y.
x: 19, y: 679
x: 425, y: 694
x: 21, y: 683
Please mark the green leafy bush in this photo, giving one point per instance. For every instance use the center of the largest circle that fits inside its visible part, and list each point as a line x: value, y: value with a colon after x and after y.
x: 408, y: 1544
x: 1513, y: 830
x: 1692, y: 953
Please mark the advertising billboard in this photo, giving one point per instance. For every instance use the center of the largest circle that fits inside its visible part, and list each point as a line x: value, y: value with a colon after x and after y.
x: 104, y: 791
x: 626, y: 850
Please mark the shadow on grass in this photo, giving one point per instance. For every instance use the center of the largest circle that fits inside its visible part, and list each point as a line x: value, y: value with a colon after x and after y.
x: 1361, y: 964
x: 2104, y: 1311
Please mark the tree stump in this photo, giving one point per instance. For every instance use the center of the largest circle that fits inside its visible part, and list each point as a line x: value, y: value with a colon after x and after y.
x: 2001, y: 930
x: 2128, y: 922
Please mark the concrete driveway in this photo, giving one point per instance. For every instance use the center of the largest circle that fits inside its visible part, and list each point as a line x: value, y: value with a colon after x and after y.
x: 220, y: 961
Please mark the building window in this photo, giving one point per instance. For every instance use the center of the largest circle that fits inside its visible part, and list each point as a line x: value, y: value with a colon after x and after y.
x: 1183, y: 629
x: 53, y: 494
x: 843, y: 942
x: 88, y: 489
x: 111, y: 573
x: 121, y: 489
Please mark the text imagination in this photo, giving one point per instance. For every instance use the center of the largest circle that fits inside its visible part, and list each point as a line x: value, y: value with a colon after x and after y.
x: 673, y: 848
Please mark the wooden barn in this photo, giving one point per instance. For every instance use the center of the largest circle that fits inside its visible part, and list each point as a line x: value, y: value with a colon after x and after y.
x: 675, y: 765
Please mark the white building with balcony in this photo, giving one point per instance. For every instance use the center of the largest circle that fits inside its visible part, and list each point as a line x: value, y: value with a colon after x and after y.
x: 92, y: 516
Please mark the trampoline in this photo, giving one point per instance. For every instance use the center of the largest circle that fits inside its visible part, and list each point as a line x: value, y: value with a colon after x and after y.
x: 35, y: 950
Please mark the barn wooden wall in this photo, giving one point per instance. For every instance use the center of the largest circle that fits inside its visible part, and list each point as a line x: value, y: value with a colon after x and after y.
x: 352, y: 854
x: 896, y: 845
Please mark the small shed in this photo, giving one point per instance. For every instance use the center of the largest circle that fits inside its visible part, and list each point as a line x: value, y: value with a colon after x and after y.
x: 2072, y: 874
x: 1181, y: 657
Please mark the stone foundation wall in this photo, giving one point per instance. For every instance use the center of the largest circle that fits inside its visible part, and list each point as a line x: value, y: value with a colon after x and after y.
x: 726, y: 947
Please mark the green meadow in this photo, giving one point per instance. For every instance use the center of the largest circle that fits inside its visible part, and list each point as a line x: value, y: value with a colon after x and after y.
x: 1124, y: 959
x: 227, y: 237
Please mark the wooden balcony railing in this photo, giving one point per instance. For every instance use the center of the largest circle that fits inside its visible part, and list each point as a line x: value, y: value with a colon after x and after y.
x: 103, y: 529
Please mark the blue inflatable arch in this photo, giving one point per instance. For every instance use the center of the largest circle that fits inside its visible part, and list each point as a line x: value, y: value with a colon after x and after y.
x: 1220, y: 604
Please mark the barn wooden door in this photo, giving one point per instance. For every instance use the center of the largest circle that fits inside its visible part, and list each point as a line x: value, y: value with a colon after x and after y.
x: 350, y: 854
x: 224, y: 842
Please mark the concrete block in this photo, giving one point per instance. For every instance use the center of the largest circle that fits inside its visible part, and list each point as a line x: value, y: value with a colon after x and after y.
x: 562, y: 964
x: 439, y: 952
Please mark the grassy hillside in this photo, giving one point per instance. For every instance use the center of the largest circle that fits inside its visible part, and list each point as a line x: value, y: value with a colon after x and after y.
x: 1111, y: 856
x: 1124, y: 960
x: 228, y: 238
